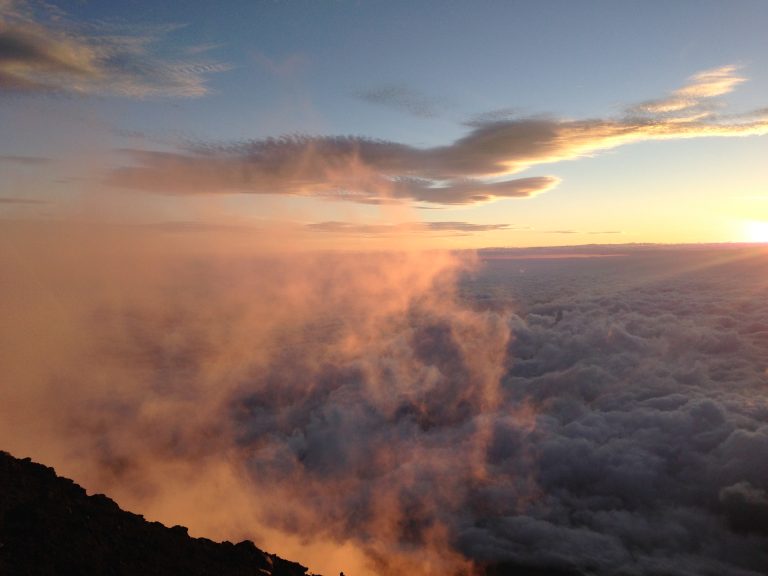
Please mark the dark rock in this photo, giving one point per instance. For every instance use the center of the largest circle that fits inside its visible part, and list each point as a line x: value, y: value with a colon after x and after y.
x: 514, y: 569
x: 49, y: 526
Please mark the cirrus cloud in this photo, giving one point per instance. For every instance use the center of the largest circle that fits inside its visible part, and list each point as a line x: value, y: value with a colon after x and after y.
x: 700, y: 88
x: 44, y: 53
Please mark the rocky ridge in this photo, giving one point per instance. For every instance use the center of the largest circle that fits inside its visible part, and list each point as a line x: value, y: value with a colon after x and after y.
x: 49, y: 526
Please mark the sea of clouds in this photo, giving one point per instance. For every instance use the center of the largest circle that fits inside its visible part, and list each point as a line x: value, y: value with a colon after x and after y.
x: 647, y: 372
x: 592, y: 411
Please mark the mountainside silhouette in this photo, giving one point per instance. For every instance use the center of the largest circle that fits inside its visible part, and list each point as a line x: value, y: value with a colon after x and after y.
x: 50, y: 526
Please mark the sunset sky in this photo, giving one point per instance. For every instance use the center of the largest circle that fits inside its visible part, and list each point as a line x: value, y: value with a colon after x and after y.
x: 234, y: 295
x: 492, y: 123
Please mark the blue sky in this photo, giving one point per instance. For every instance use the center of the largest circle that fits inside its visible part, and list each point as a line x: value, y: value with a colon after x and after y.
x: 416, y: 74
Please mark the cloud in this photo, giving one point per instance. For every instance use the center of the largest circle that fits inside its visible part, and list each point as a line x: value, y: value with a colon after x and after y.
x: 648, y: 433
x: 44, y: 53
x: 178, y: 362
x: 24, y: 160
x: 330, y: 229
x: 473, y: 192
x: 697, y: 94
x: 491, y: 116
x: 384, y: 413
x: 402, y: 98
x: 475, y: 168
x: 404, y: 228
x: 465, y: 226
x: 18, y: 200
x: 343, y: 168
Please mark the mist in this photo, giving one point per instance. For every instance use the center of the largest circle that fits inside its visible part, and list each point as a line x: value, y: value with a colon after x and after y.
x: 405, y: 411
x: 311, y: 401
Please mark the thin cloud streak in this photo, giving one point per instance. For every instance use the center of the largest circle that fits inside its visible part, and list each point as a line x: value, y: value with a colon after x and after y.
x: 24, y: 160
x: 16, y: 200
x: 451, y: 228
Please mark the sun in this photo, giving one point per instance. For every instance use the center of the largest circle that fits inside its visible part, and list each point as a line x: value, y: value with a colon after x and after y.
x: 756, y: 231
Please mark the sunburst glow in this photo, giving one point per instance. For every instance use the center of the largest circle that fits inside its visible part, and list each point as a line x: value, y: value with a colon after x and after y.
x: 756, y: 231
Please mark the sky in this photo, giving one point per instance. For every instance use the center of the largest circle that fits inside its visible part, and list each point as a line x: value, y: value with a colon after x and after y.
x: 527, y: 123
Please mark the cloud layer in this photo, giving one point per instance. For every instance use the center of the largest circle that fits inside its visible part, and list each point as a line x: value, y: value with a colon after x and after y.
x: 356, y: 413
x: 40, y: 52
x: 651, y: 416
x: 474, y: 169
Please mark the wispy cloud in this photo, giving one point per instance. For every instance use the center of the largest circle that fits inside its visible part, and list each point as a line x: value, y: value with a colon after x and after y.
x: 450, y: 228
x: 697, y: 93
x: 497, y: 115
x: 24, y: 160
x: 285, y: 67
x: 18, y: 200
x: 45, y: 53
x: 473, y: 169
x: 402, y: 98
